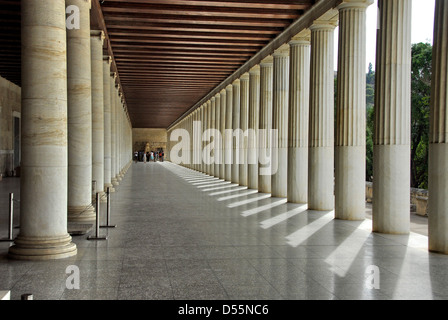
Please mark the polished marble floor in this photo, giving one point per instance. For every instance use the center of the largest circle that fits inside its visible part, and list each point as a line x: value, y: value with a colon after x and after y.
x: 183, y: 235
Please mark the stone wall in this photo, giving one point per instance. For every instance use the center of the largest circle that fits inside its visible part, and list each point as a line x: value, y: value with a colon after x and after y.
x: 10, y: 107
x: 144, y: 138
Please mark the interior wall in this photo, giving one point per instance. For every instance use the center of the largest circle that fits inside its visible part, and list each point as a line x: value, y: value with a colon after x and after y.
x: 144, y: 138
x: 10, y: 108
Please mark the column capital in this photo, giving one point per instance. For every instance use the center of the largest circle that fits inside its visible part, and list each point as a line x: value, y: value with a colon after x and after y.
x: 98, y: 33
x: 212, y: 99
x: 223, y: 92
x: 355, y: 4
x: 328, y: 21
x: 245, y: 77
x: 229, y: 87
x: 217, y: 96
x: 107, y: 59
x: 268, y: 61
x: 255, y: 70
x: 302, y: 38
x: 237, y: 82
x: 282, y: 51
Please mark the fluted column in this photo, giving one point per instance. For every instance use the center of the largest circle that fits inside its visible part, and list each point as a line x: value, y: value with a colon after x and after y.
x: 265, y: 126
x: 321, y: 139
x: 253, y: 123
x: 208, y: 120
x: 280, y: 122
x: 236, y: 138
x: 96, y: 42
x: 113, y: 131
x: 218, y: 141
x: 438, y: 147
x: 244, y: 124
x: 350, y: 150
x: 228, y: 136
x: 196, y: 140
x: 299, y: 104
x: 107, y: 124
x: 43, y: 223
x: 222, y: 166
x: 392, y: 141
x: 202, y: 135
x: 79, y: 79
x: 212, y: 126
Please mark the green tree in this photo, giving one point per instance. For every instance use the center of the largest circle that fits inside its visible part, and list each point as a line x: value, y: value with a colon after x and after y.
x: 420, y: 99
x: 370, y: 116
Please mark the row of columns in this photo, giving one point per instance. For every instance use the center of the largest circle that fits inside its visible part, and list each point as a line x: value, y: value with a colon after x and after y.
x: 75, y: 130
x: 312, y: 161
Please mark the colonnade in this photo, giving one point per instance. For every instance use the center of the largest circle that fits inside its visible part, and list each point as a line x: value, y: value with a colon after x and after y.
x: 314, y: 156
x: 76, y: 133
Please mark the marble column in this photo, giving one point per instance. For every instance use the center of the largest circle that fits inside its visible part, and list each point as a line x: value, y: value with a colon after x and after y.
x: 280, y: 122
x: 107, y: 124
x: 212, y: 126
x: 236, y: 137
x: 228, y: 136
x: 253, y: 123
x: 196, y: 138
x: 204, y: 128
x: 244, y: 125
x: 218, y: 140
x: 265, y: 126
x: 350, y: 148
x: 96, y: 43
x: 321, y: 133
x: 113, y: 130
x: 299, y: 104
x: 392, y: 137
x: 207, y: 126
x: 222, y: 166
x: 438, y: 147
x: 43, y: 183
x: 79, y: 80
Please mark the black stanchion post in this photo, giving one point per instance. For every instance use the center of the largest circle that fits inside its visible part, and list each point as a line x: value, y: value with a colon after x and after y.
x: 108, y: 225
x: 97, y: 235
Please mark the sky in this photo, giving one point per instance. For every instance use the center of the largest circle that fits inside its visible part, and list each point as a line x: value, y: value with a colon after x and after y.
x: 422, y: 26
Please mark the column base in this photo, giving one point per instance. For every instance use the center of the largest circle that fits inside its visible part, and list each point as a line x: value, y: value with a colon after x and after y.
x: 81, y: 214
x: 110, y: 186
x: 45, y: 248
x: 115, y: 182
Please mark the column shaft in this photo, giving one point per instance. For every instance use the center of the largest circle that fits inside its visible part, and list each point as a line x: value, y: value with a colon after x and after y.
x: 265, y: 126
x: 222, y: 166
x: 236, y: 137
x: 107, y: 125
x: 244, y: 124
x: 218, y: 139
x: 391, y: 163
x: 321, y: 134
x: 299, y: 103
x: 350, y: 150
x: 97, y: 111
x: 228, y: 135
x: 280, y: 122
x: 253, y: 123
x: 79, y: 82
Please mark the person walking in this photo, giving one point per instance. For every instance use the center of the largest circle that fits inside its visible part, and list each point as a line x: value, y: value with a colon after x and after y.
x: 144, y: 157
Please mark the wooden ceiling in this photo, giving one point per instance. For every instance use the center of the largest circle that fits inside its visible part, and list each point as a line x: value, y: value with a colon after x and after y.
x: 170, y: 53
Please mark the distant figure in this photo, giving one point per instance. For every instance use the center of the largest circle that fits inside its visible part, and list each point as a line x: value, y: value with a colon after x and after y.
x: 162, y: 154
x: 135, y: 156
x: 152, y: 156
x: 144, y: 157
